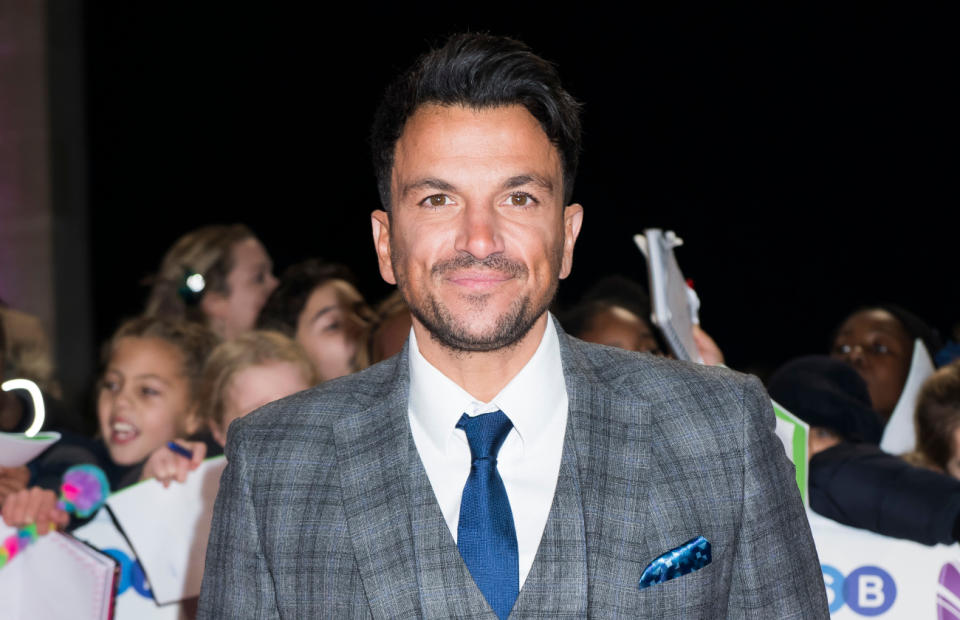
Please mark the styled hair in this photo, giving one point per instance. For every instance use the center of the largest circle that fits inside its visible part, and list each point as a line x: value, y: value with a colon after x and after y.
x: 207, y: 251
x: 285, y: 305
x: 938, y: 414
x: 478, y: 71
x: 255, y: 348
x: 194, y: 341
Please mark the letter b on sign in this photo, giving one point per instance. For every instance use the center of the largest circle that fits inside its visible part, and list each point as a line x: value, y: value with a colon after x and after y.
x: 869, y: 591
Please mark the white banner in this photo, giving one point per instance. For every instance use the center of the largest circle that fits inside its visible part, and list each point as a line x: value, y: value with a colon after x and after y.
x: 869, y: 575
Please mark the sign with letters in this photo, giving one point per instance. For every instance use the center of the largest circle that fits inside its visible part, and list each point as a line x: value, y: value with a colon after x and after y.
x: 868, y: 575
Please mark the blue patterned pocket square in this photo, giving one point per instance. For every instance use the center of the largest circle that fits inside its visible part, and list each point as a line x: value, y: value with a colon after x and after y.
x: 688, y: 557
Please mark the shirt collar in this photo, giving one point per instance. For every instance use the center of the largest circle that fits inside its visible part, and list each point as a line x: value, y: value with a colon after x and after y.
x: 530, y: 399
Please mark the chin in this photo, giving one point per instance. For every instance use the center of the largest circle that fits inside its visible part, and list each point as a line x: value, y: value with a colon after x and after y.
x: 124, y: 457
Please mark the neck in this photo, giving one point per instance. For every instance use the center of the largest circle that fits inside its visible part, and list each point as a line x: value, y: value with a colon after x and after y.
x: 481, y: 374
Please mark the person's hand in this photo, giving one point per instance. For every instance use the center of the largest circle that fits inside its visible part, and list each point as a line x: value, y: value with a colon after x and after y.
x: 709, y: 352
x: 166, y: 465
x: 12, y: 479
x: 34, y: 505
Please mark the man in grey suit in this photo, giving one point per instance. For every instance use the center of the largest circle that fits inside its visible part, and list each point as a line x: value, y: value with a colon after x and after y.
x: 497, y: 466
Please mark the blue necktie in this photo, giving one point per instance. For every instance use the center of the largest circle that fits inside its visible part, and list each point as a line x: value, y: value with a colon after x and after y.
x: 486, y: 537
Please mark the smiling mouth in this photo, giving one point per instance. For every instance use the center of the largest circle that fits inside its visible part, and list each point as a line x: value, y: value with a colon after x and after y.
x: 479, y: 280
x: 122, y: 432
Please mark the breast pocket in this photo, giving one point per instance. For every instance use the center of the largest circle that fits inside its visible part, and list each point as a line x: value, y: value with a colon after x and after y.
x: 699, y: 594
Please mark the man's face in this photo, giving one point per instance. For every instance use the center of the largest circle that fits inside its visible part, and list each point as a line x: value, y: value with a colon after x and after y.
x: 478, y: 236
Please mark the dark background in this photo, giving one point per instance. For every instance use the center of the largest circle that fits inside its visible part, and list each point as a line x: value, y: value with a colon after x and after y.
x: 801, y: 152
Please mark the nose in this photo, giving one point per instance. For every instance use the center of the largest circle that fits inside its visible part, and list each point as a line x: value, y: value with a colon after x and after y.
x: 479, y: 231
x: 272, y: 282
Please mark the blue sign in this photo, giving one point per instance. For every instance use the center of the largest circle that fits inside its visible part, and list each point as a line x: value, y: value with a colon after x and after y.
x: 867, y: 591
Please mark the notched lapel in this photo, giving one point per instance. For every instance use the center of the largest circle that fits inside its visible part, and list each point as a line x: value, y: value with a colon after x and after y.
x: 372, y: 463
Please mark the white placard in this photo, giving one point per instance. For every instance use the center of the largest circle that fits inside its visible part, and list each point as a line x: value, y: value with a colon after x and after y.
x: 869, y: 575
x: 168, y: 528
x: 899, y: 436
x: 17, y: 449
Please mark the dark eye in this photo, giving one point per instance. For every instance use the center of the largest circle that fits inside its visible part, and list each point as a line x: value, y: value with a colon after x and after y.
x: 332, y: 327
x: 437, y: 200
x: 521, y: 199
x: 881, y: 348
x: 842, y: 349
x: 149, y: 391
x: 109, y: 385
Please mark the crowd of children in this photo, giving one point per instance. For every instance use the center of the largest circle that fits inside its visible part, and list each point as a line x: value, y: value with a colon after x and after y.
x: 220, y: 336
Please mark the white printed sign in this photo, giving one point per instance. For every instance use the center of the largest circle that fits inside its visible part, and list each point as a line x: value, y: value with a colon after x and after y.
x: 869, y: 575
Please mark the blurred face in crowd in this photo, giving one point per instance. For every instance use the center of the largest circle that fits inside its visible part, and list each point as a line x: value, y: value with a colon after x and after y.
x: 389, y: 337
x: 478, y: 235
x: 953, y: 463
x: 250, y: 282
x: 820, y: 438
x: 875, y: 343
x: 327, y: 331
x: 254, y: 387
x: 144, y: 399
x: 618, y: 327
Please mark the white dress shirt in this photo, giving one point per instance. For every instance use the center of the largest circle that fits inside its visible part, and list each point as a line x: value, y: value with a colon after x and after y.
x: 535, y: 400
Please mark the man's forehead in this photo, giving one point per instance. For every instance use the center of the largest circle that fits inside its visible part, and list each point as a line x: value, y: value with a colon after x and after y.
x: 448, y: 136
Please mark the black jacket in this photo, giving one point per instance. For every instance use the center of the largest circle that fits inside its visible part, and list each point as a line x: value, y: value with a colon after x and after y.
x: 862, y: 486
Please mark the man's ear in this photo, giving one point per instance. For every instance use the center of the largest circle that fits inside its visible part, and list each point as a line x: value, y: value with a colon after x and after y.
x: 572, y: 220
x: 380, y: 220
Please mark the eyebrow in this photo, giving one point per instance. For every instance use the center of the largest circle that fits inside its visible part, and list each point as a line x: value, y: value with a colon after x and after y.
x: 427, y: 183
x: 323, y: 311
x: 153, y: 376
x: 528, y: 179
x: 513, y: 182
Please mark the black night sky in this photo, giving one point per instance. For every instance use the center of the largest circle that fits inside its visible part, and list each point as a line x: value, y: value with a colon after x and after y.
x: 801, y: 152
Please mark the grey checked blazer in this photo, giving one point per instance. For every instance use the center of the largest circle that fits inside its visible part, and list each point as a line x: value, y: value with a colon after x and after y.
x: 325, y: 510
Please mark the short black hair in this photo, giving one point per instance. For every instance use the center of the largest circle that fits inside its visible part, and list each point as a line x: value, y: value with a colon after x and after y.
x: 478, y: 71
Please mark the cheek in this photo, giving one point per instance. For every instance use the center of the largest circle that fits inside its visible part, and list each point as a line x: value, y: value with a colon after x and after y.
x: 163, y: 424
x: 104, y: 405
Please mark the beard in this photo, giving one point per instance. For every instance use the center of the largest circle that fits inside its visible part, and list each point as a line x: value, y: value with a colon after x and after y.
x: 457, y: 333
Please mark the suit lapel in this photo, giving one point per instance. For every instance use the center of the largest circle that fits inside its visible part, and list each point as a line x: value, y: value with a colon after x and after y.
x: 614, y: 467
x: 372, y: 448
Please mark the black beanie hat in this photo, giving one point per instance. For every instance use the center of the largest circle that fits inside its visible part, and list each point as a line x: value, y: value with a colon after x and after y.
x: 826, y: 392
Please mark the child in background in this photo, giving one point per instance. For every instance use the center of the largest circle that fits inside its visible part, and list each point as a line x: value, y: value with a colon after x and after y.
x: 241, y: 375
x: 938, y: 422
x: 250, y: 371
x: 148, y: 395
x: 317, y: 305
x: 219, y: 276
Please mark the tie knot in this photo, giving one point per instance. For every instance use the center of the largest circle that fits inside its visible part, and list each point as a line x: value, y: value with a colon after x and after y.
x: 485, y: 433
